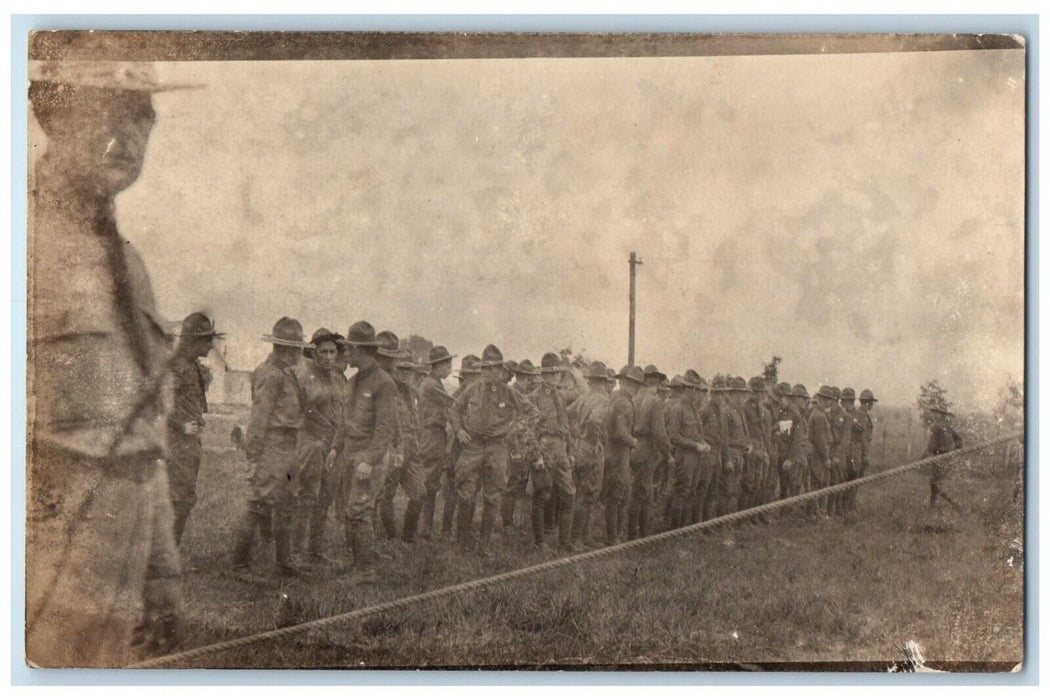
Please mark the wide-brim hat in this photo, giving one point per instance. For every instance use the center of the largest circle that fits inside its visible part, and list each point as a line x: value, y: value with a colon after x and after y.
x: 737, y: 384
x: 287, y: 332
x: 848, y: 394
x: 825, y: 391
x: 800, y: 391
x: 780, y: 390
x: 866, y: 395
x: 756, y: 385
x: 550, y: 363
x: 693, y: 379
x: 439, y: 353
x: 389, y: 345
x: 491, y: 356
x: 610, y: 375
x: 469, y: 365
x: 678, y: 382
x: 652, y: 371
x: 633, y: 373
x: 525, y: 367
x: 135, y: 76
x: 595, y: 370
x: 198, y: 325
x: 361, y: 333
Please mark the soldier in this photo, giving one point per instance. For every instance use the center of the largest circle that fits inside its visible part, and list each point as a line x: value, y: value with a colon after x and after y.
x: 520, y: 446
x: 867, y: 424
x: 685, y: 431
x: 363, y: 443
x: 587, y: 418
x: 943, y: 438
x: 405, y: 467
x: 800, y: 397
x: 555, y: 480
x: 756, y: 463
x: 713, y: 427
x: 186, y: 420
x: 854, y: 454
x: 651, y: 432
x: 770, y: 405
x: 481, y: 417
x: 841, y: 432
x: 820, y: 463
x: 271, y: 447
x: 322, y: 388
x: 619, y: 428
x: 737, y: 443
x: 434, y: 404
x: 790, y: 448
x: 469, y: 373
x: 96, y: 369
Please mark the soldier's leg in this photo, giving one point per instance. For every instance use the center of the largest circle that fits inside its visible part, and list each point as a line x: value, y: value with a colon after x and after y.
x: 284, y: 466
x: 517, y: 478
x: 472, y: 460
x: 184, y: 465
x: 564, y: 487
x: 588, y: 486
x: 705, y: 472
x: 413, y: 482
x: 432, y: 452
x: 385, y: 501
x: 614, y: 486
x: 86, y: 571
x: 451, y: 501
x: 365, y: 481
x: 493, y: 486
x: 305, y: 491
x: 327, y: 492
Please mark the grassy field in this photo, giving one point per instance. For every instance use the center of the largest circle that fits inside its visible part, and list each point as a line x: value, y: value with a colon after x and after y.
x: 788, y: 595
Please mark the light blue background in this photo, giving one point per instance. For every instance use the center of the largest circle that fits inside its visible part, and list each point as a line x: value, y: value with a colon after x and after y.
x: 21, y: 25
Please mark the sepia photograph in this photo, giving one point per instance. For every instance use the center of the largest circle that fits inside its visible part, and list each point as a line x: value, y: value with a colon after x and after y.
x: 526, y: 351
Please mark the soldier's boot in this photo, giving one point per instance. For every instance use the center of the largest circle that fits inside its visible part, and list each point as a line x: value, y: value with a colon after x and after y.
x: 549, y: 507
x: 240, y: 558
x: 539, y: 511
x: 448, y: 516
x: 507, y: 504
x: 580, y: 519
x: 411, y: 521
x: 464, y: 522
x: 363, y: 546
x: 182, y: 514
x: 388, y: 528
x: 315, y: 544
x: 565, y: 526
x: 429, y: 502
x: 489, y: 513
x: 612, y: 524
x: 283, y: 555
x: 632, y: 521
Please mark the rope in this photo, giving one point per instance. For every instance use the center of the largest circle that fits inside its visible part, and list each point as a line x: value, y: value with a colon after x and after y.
x: 476, y: 584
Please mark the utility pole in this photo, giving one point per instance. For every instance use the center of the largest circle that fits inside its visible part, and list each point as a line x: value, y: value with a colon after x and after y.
x: 634, y: 263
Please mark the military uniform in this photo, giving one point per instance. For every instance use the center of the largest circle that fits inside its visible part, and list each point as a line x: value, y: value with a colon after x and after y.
x: 792, y: 451
x: 619, y: 428
x: 737, y: 446
x: 650, y: 431
x: 756, y: 462
x: 820, y: 457
x: 555, y: 478
x: 184, y: 458
x: 587, y: 417
x: 96, y: 352
x: 484, y: 412
x: 405, y: 469
x: 841, y: 424
x: 713, y: 429
x: 364, y: 441
x: 685, y: 432
x: 321, y: 392
x: 522, y: 447
x: 434, y: 404
x: 943, y: 438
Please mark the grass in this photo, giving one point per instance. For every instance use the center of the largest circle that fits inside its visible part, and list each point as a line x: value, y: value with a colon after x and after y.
x: 788, y: 595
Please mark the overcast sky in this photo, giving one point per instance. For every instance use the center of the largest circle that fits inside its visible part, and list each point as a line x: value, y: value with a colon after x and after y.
x: 859, y: 215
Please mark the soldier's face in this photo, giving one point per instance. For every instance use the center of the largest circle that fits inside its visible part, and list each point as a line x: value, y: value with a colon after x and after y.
x: 326, y: 353
x: 105, y: 137
x: 867, y: 405
x: 442, y: 369
x: 493, y: 375
x: 286, y: 355
x: 550, y: 378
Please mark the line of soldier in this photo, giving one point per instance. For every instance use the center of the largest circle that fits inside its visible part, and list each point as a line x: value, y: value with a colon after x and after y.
x: 654, y: 452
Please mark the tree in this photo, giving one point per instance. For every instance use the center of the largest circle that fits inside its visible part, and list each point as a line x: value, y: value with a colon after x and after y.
x: 578, y: 360
x: 931, y: 394
x: 419, y: 347
x: 771, y: 370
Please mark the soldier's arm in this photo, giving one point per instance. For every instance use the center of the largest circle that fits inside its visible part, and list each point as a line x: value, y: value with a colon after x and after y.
x: 819, y: 437
x: 659, y: 429
x: 386, y: 422
x: 795, y: 447
x: 619, y: 430
x: 455, y: 414
x: 674, y: 428
x: 266, y: 388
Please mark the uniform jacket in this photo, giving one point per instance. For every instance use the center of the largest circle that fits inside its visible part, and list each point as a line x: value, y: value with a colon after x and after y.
x: 737, y: 435
x: 587, y: 416
x: 189, y: 401
x: 619, y: 421
x: 841, y: 429
x: 684, y: 428
x: 793, y: 431
x: 758, y: 426
x: 713, y: 426
x: 488, y: 410
x: 820, y: 435
x: 553, y: 417
x: 943, y: 439
x: 434, y: 404
x: 369, y: 415
x: 276, y: 405
x: 406, y: 401
x: 93, y: 351
x: 649, y: 420
x: 321, y: 393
